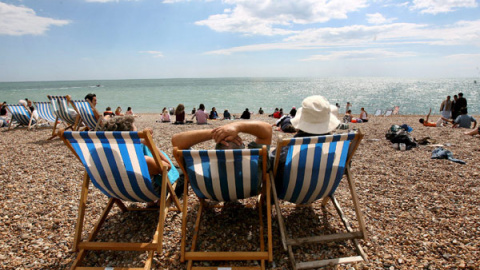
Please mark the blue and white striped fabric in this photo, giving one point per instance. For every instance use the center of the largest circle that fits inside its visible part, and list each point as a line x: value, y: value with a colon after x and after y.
x: 224, y: 175
x: 60, y: 108
x: 20, y: 114
x: 115, y: 163
x: 314, y: 167
x: 44, y: 111
x: 86, y: 113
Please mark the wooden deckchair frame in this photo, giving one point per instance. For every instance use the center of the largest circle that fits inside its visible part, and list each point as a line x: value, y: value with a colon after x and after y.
x: 155, y: 245
x: 67, y: 126
x: 20, y: 124
x: 288, y: 242
x: 97, y: 115
x: 193, y: 255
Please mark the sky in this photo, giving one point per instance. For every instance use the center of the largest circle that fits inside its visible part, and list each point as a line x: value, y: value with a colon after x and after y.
x: 55, y: 40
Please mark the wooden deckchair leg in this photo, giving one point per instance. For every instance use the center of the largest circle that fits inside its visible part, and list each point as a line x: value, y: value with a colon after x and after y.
x: 81, y: 212
x: 161, y: 222
x: 184, y: 220
x: 54, y: 134
x: 356, y: 204
x: 292, y: 257
x: 269, y: 221
x: 281, y: 224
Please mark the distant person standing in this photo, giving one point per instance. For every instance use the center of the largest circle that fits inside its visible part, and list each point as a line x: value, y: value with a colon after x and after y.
x: 260, y: 111
x: 461, y: 103
x: 446, y: 108
x: 348, y: 107
x: 455, y: 111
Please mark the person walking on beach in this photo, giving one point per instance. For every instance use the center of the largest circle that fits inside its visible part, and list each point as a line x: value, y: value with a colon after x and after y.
x: 446, y: 108
x: 464, y: 120
x: 440, y: 122
x: 201, y: 115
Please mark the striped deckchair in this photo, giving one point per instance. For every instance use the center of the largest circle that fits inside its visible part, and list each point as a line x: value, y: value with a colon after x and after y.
x: 378, y: 112
x: 388, y: 112
x: 115, y: 163
x: 44, y: 111
x: 88, y: 114
x: 313, y: 169
x: 60, y: 109
x: 223, y: 176
x: 21, y: 115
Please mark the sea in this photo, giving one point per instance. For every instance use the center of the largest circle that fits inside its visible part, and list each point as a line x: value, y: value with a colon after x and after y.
x: 412, y: 95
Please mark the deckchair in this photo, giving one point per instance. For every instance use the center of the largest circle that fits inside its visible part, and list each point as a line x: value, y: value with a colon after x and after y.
x: 88, y: 114
x: 115, y: 163
x: 378, y: 112
x: 44, y: 112
x: 60, y: 109
x: 312, y: 171
x: 224, y: 176
x: 388, y: 112
x: 21, y: 115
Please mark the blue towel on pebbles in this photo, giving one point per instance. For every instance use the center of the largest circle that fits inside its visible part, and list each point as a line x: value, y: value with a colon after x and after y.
x: 440, y: 153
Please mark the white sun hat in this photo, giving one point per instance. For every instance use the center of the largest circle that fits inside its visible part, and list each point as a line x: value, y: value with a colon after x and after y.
x: 316, y: 116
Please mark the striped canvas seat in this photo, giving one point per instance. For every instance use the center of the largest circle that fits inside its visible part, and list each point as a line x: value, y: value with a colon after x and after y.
x: 225, y: 175
x: 313, y: 169
x: 116, y: 165
x: 60, y: 108
x: 87, y: 113
x: 20, y: 114
x: 44, y: 111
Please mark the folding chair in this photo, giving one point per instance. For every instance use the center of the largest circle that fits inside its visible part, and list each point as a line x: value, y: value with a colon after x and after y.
x: 378, y: 112
x: 60, y: 109
x: 115, y: 163
x: 388, y: 112
x: 223, y: 176
x: 44, y: 112
x: 21, y: 115
x: 88, y: 114
x: 312, y: 171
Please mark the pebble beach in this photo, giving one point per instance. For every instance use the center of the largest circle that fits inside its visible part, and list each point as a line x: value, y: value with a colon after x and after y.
x: 420, y: 213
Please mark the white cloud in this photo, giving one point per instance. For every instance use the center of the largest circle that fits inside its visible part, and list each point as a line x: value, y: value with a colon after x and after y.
x: 460, y: 33
x: 155, y: 54
x: 369, y: 54
x: 254, y: 17
x: 20, y: 20
x: 442, y: 6
x: 378, y: 18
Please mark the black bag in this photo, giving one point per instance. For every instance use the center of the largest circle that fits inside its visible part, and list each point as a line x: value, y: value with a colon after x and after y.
x: 396, y: 134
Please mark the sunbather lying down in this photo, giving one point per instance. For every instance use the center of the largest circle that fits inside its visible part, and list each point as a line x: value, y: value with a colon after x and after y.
x: 440, y: 122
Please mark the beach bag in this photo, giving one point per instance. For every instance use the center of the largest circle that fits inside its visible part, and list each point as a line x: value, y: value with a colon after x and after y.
x: 396, y: 134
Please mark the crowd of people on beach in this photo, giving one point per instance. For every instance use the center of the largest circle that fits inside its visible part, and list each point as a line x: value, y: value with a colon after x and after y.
x: 454, y: 112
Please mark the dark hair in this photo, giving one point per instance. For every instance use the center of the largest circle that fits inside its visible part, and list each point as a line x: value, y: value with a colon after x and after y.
x: 108, y: 109
x: 460, y: 94
x: 180, y: 108
x: 201, y: 107
x: 129, y: 108
x: 421, y: 120
x: 90, y: 96
x: 289, y: 129
x: 463, y: 110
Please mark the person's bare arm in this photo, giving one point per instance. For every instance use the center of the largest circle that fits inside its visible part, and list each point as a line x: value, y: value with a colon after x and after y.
x: 259, y: 129
x: 187, y: 139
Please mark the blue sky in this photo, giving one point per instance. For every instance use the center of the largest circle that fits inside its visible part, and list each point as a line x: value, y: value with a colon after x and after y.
x: 119, y: 39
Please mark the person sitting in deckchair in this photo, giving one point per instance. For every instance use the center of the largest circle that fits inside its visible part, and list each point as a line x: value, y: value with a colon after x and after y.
x: 127, y: 124
x: 440, y: 122
x: 226, y: 136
